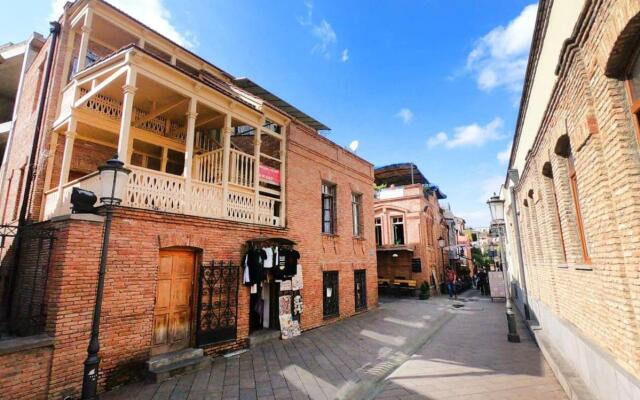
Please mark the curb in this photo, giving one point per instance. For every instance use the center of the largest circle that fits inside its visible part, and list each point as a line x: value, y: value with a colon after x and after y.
x: 372, y: 382
x: 572, y: 384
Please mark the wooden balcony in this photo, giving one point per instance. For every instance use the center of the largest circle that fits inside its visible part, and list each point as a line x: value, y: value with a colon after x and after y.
x: 222, y: 167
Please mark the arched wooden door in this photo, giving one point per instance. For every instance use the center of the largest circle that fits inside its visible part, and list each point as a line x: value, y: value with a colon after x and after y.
x: 174, y: 296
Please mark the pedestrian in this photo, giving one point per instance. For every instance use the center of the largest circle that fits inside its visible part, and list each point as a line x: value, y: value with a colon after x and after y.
x: 451, y: 282
x: 482, y: 282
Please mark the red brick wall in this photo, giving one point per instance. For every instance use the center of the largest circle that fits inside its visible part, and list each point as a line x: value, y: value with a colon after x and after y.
x: 25, y: 374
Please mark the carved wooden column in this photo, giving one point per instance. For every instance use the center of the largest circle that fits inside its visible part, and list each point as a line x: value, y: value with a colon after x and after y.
x: 226, y: 153
x: 70, y: 136
x: 84, y: 39
x: 188, y: 153
x: 129, y: 90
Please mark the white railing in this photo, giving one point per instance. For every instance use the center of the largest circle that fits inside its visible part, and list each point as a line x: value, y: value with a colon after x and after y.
x: 240, y: 206
x: 207, y: 167
x: 241, y: 168
x: 155, y: 190
x: 266, y: 211
x: 52, y: 208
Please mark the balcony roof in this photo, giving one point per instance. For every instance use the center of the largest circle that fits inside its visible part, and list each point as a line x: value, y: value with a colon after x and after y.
x: 257, y: 90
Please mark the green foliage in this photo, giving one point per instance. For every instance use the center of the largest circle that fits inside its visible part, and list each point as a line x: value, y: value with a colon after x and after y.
x: 479, y: 259
x: 379, y: 187
x: 425, y: 291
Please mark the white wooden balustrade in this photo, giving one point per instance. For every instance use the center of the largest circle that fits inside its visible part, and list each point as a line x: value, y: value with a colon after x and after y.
x: 207, y: 167
x: 155, y: 190
x: 53, y: 208
x: 241, y: 168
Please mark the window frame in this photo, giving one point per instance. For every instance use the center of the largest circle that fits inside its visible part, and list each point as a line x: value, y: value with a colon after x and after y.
x: 573, y: 184
x: 378, y: 224
x: 357, y: 214
x: 331, y: 194
x: 633, y: 98
x: 393, y: 230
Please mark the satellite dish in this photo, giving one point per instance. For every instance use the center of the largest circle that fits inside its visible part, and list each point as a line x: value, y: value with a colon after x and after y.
x: 353, y: 146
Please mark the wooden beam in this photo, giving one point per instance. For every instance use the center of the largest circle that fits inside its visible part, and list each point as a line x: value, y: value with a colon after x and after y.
x: 158, y: 112
x: 100, y: 86
x: 210, y: 119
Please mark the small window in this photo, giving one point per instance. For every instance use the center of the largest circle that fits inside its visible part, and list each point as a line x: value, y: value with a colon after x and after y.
x: 328, y: 208
x: 573, y: 181
x: 360, y: 289
x: 398, y: 230
x: 331, y: 302
x: 356, y: 211
x: 378, y: 223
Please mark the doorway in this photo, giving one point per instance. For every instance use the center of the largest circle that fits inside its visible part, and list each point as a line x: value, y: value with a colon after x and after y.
x: 174, y: 296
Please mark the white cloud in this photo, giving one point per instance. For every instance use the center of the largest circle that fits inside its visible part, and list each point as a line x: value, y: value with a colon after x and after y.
x: 344, y: 57
x: 150, y: 12
x: 500, y: 57
x: 325, y: 36
x: 405, y: 115
x: 488, y: 186
x: 469, y: 135
x: 503, y: 156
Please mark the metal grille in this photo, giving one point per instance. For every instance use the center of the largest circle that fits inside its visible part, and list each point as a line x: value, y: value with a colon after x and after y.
x: 217, y: 303
x: 360, y: 289
x: 331, y: 303
x: 23, y: 277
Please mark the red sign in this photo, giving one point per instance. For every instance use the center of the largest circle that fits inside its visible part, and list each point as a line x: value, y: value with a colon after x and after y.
x: 270, y: 175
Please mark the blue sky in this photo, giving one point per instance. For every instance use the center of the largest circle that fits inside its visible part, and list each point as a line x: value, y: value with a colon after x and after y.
x: 436, y: 82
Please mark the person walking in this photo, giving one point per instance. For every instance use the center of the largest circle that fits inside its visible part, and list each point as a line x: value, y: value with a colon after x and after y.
x: 482, y: 282
x: 451, y: 282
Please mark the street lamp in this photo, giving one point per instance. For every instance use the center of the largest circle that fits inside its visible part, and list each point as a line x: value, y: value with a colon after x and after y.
x: 113, y: 181
x: 496, y: 207
x: 441, y: 244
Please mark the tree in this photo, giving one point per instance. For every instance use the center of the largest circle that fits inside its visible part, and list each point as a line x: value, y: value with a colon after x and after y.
x: 479, y: 259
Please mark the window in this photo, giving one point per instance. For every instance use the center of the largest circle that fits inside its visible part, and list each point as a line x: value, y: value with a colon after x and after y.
x: 16, y: 206
x: 356, y: 212
x: 633, y: 89
x: 573, y: 181
x: 146, y: 155
x: 398, y: 230
x: 331, y: 303
x: 328, y: 208
x: 547, y: 172
x: 175, y: 162
x: 360, y: 289
x: 378, y: 223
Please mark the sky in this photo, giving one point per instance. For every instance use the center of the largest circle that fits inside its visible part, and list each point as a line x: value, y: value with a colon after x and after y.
x: 434, y: 82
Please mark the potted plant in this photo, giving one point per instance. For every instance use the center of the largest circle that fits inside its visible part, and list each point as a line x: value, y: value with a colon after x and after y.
x: 425, y: 291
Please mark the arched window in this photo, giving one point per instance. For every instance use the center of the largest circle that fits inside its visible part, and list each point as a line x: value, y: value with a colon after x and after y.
x: 563, y: 149
x: 547, y: 172
x: 633, y: 89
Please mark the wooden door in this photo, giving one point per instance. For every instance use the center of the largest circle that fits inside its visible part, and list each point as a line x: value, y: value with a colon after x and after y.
x: 172, y: 315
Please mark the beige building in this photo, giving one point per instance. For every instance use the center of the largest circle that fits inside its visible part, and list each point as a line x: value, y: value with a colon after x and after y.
x: 572, y: 195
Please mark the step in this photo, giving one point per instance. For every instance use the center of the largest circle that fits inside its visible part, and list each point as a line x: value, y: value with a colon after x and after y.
x: 166, y: 366
x: 161, y: 360
x: 262, y: 336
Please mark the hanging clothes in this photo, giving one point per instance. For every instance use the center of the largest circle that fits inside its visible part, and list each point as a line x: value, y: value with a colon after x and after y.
x: 287, y: 263
x: 269, y: 259
x: 254, y: 264
x: 246, y: 279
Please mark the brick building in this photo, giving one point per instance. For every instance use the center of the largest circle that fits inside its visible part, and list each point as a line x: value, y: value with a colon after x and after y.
x: 572, y: 193
x: 408, y: 224
x: 218, y: 164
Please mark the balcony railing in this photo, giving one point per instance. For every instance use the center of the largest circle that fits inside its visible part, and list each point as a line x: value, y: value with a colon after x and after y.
x: 159, y: 191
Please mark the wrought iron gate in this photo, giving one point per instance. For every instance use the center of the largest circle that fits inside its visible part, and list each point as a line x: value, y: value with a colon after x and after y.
x: 217, y: 303
x: 360, y: 289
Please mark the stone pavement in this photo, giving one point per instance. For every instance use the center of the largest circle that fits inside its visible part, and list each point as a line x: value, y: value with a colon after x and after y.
x: 471, y: 359
x: 350, y: 359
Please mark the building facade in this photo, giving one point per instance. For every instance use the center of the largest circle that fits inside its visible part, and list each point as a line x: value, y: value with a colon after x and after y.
x: 572, y: 193
x: 408, y: 223
x: 218, y: 165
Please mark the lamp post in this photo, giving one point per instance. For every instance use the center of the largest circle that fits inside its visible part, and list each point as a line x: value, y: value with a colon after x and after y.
x: 496, y: 207
x: 113, y: 180
x: 441, y: 244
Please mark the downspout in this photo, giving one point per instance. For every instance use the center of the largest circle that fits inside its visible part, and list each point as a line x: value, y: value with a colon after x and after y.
x: 55, y: 32
x: 514, y: 178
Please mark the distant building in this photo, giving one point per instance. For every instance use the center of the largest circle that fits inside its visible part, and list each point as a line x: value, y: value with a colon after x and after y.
x: 408, y: 224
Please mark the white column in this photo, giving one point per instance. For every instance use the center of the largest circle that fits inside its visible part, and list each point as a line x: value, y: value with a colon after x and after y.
x: 69, y: 140
x: 226, y: 153
x: 84, y: 39
x: 257, y: 141
x: 188, y: 152
x: 129, y: 90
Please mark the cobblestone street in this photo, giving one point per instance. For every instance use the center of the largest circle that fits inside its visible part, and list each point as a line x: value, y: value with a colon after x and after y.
x: 424, y: 349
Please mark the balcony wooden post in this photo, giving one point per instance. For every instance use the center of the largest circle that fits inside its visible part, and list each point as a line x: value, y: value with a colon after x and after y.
x: 257, y: 141
x: 129, y: 90
x: 84, y: 39
x: 188, y: 153
x: 226, y: 133
x: 69, y: 140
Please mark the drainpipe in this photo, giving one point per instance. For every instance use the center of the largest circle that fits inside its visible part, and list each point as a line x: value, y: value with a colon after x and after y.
x: 515, y: 178
x: 55, y: 32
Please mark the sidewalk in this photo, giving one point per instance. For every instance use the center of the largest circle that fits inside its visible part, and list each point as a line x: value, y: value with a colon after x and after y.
x: 471, y: 359
x: 342, y: 360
